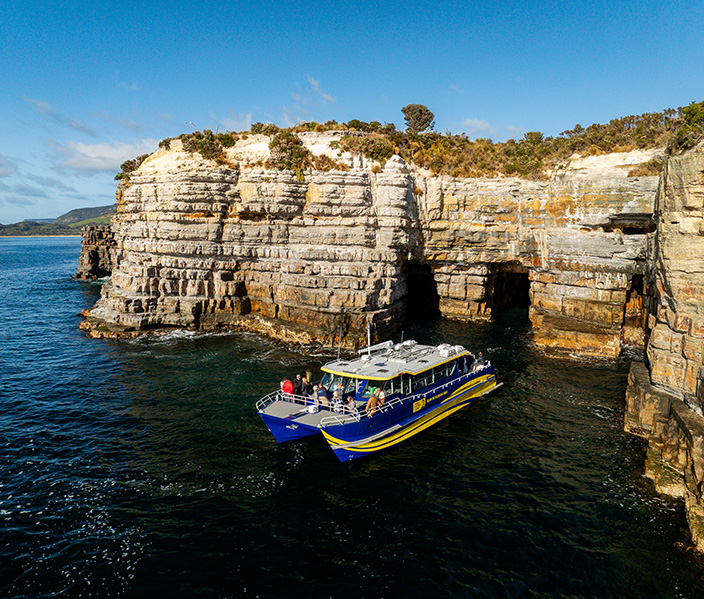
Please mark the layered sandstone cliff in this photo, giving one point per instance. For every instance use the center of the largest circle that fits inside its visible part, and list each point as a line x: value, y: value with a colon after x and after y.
x: 204, y: 245
x: 665, y: 397
x: 96, y: 259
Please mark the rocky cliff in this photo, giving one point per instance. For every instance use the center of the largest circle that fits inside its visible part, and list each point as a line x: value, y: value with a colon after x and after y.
x: 665, y: 396
x: 600, y: 258
x: 205, y: 245
x: 96, y: 260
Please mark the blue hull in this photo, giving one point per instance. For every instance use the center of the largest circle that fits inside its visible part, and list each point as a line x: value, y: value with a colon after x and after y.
x: 286, y: 430
x: 356, y: 440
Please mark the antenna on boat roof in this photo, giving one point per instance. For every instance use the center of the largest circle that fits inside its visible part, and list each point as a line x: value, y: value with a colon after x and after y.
x: 402, y: 332
x: 339, y: 343
x: 369, y: 340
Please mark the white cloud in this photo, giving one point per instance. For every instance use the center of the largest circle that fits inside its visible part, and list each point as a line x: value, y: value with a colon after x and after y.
x: 102, y: 156
x: 315, y: 86
x: 50, y: 182
x: 291, y: 116
x: 31, y: 191
x: 305, y: 100
x: 235, y: 121
x: 477, y: 127
x: 47, y: 111
x: 121, y: 121
x: 6, y: 167
x: 130, y: 87
x: 516, y: 132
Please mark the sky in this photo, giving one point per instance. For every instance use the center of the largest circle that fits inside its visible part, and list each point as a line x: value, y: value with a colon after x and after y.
x: 88, y: 85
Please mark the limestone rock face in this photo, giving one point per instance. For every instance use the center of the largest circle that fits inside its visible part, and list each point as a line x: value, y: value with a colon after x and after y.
x: 666, y: 399
x: 201, y: 245
x: 204, y: 245
x: 676, y: 347
x: 579, y: 239
x: 95, y: 260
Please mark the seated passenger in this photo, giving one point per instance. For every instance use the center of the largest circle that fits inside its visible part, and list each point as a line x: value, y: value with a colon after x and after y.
x: 351, y: 406
x: 323, y: 396
x: 374, y: 402
x: 337, y: 403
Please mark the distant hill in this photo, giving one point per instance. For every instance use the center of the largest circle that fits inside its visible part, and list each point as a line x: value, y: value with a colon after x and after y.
x: 31, y: 228
x: 81, y: 215
x: 66, y: 224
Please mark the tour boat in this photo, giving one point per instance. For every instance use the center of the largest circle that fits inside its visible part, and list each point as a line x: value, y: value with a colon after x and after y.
x: 386, y: 395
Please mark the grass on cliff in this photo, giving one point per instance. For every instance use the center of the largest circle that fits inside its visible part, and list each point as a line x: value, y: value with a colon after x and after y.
x: 455, y: 154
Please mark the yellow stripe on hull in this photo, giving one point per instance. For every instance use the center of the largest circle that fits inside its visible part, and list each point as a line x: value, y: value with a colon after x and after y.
x: 450, y: 405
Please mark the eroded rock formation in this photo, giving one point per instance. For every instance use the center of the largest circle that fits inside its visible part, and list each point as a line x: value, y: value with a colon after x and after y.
x: 665, y: 398
x: 95, y: 260
x: 206, y: 245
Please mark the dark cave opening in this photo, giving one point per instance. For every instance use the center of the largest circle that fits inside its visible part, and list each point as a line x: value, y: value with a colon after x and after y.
x: 508, y: 286
x: 422, y: 299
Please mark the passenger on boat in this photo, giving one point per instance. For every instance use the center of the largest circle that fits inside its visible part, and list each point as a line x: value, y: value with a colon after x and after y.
x: 351, y: 406
x: 479, y: 362
x: 287, y: 385
x: 375, y: 401
x: 337, y: 403
x: 323, y: 396
x: 297, y: 382
x: 306, y: 387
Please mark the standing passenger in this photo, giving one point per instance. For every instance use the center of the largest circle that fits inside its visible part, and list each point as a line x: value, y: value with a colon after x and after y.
x: 297, y: 382
x: 287, y: 386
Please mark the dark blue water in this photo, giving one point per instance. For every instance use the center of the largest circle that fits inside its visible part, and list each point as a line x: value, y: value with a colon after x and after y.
x: 141, y: 469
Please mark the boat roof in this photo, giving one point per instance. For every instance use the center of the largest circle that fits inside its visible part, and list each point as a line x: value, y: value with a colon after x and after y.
x: 385, y: 360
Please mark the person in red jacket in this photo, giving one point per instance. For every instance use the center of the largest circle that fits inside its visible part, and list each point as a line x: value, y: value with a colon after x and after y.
x: 287, y: 386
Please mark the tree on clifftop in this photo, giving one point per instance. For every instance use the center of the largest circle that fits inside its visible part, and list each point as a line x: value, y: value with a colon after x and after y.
x: 418, y: 117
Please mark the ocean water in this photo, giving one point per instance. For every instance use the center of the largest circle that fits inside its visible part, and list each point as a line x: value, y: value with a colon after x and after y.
x: 140, y: 469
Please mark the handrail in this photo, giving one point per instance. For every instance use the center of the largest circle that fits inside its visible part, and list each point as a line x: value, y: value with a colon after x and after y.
x: 281, y: 396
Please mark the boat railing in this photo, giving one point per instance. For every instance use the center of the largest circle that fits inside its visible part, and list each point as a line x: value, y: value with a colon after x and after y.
x: 397, y: 401
x: 281, y: 396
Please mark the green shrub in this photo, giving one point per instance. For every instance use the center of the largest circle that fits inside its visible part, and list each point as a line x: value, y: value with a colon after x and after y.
x: 690, y: 127
x: 289, y: 153
x: 129, y: 166
x: 374, y: 146
x: 269, y: 129
x: 227, y: 140
x: 418, y: 118
x: 205, y: 144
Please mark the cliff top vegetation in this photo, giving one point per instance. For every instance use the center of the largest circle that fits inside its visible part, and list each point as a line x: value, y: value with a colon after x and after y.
x: 457, y: 155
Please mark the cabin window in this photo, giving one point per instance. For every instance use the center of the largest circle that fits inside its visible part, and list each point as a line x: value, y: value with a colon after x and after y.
x: 351, y: 386
x: 327, y: 377
x: 422, y: 380
x: 406, y: 384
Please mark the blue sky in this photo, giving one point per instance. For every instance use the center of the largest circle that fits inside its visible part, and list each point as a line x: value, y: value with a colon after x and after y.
x: 87, y: 85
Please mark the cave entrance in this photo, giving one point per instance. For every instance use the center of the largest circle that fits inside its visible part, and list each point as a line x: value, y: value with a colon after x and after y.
x: 422, y: 299
x: 508, y: 286
x: 635, y: 314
